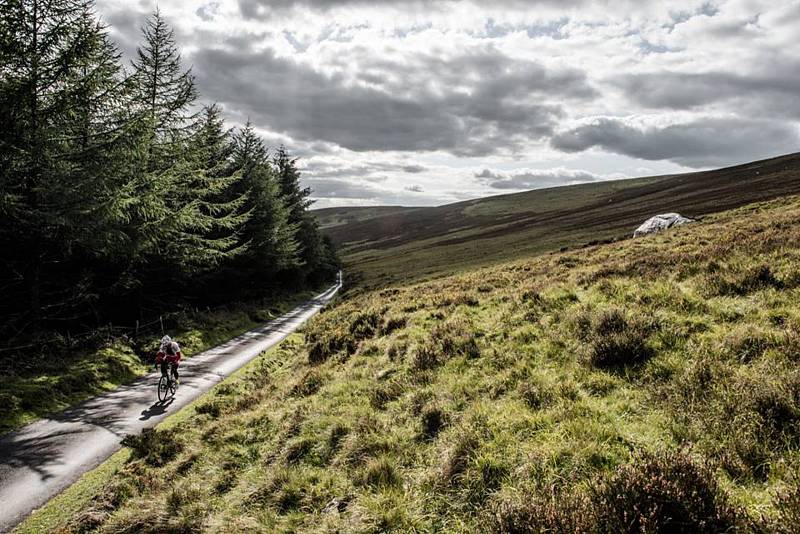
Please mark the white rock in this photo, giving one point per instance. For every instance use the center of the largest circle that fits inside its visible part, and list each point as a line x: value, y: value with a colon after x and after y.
x: 661, y: 222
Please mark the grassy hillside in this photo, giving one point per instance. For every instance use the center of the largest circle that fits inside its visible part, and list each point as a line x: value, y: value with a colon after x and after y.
x: 331, y: 217
x: 416, y: 243
x: 650, y: 385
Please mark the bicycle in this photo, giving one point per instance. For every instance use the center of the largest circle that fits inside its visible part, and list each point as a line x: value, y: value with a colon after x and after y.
x: 167, y: 386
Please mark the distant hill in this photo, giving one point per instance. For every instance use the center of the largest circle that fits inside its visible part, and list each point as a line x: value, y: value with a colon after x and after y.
x: 331, y: 217
x: 386, y: 245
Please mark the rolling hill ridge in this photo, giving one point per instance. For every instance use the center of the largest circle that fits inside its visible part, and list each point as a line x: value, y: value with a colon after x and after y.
x: 389, y: 244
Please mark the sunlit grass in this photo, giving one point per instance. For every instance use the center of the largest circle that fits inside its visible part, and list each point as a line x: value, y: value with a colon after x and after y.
x: 560, y: 393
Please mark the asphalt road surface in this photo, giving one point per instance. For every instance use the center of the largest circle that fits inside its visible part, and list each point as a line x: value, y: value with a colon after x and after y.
x: 40, y: 460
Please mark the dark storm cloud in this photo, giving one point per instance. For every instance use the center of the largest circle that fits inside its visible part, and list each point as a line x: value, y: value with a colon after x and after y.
x: 283, y: 96
x: 261, y: 9
x: 318, y: 170
x: 414, y: 169
x: 535, y: 179
x: 500, y: 78
x: 505, y: 106
x: 126, y: 29
x: 776, y: 94
x: 701, y: 143
x: 257, y: 9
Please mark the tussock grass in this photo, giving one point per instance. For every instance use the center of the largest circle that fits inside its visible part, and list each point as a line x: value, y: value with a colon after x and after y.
x: 155, y: 447
x: 643, y: 386
x: 665, y: 492
x: 615, y: 341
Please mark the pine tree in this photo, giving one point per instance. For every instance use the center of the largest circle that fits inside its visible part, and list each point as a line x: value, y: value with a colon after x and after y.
x: 269, y: 233
x: 59, y: 80
x: 40, y: 50
x: 165, y: 92
x: 114, y: 192
x: 100, y: 135
x: 309, y: 237
x: 295, y: 196
x: 214, y: 143
x: 212, y: 189
x: 193, y: 229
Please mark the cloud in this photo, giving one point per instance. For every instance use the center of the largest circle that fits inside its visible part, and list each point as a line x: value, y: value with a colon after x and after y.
x: 371, y: 93
x: 334, y: 191
x: 699, y: 143
x: 370, y: 170
x: 262, y: 9
x: 499, y: 105
x: 208, y: 11
x: 336, y: 188
x: 775, y: 94
x: 539, y: 178
x: 414, y: 169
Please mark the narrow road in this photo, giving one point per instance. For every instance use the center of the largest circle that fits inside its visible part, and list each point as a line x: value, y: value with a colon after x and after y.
x: 42, y: 459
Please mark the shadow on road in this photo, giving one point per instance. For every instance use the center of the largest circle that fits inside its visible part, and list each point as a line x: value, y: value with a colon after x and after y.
x: 38, y: 453
x: 159, y: 408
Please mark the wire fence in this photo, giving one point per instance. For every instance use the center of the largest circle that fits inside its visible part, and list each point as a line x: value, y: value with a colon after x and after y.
x: 109, y: 331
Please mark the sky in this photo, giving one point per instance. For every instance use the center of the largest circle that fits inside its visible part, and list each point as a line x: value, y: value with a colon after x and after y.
x: 423, y: 102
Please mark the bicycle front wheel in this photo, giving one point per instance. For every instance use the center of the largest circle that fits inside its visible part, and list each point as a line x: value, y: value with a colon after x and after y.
x: 163, y: 389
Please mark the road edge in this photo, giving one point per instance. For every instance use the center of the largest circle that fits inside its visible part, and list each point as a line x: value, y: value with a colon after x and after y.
x: 323, y: 299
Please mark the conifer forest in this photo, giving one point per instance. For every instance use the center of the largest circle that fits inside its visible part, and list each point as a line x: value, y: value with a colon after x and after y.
x: 122, y: 193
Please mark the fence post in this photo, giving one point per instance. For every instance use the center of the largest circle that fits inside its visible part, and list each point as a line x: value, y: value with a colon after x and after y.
x: 161, y: 322
x: 136, y: 333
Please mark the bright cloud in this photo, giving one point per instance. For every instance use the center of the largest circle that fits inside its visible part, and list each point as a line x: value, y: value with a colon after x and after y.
x: 426, y: 102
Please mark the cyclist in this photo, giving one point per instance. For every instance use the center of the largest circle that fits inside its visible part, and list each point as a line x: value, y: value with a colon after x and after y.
x: 169, y: 352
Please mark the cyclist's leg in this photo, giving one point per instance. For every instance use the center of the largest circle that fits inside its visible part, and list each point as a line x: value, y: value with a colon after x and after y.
x: 175, y: 370
x: 164, y: 368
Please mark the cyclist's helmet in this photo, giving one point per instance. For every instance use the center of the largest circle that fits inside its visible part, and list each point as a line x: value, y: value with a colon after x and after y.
x: 165, y: 341
x: 172, y: 348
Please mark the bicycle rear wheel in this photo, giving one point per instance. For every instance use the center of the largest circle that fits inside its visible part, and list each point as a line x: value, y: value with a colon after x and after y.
x: 163, y: 388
